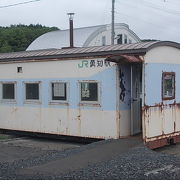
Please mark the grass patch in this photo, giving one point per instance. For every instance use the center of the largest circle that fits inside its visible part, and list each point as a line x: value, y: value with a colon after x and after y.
x: 4, y: 137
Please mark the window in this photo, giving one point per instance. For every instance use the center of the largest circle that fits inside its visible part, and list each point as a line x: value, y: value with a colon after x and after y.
x: 19, y: 70
x: 89, y: 91
x: 119, y: 39
x: 32, y: 91
x: 168, y: 85
x: 103, y: 40
x: 125, y: 39
x: 59, y: 91
x: 8, y: 91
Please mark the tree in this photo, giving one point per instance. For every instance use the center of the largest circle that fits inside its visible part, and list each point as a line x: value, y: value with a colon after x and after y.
x: 19, y: 37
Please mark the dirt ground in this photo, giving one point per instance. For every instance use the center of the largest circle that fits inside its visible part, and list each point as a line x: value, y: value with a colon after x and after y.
x: 16, y: 148
x: 9, y: 144
x: 172, y: 149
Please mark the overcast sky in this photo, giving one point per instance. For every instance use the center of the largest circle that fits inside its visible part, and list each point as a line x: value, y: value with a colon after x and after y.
x: 149, y: 19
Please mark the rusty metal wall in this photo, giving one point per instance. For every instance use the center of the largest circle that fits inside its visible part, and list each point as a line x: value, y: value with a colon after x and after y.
x: 161, y: 117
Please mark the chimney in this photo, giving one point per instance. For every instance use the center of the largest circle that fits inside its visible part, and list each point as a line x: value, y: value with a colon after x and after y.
x: 71, y: 15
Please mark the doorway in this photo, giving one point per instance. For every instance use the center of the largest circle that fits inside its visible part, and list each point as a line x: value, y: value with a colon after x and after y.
x: 136, y: 98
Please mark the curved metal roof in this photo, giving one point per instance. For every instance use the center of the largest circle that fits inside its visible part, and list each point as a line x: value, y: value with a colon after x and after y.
x: 126, y: 49
x: 82, y: 37
x: 60, y: 38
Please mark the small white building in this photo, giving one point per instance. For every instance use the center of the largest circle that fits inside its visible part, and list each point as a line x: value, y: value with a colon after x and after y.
x: 85, y: 37
x: 94, y: 92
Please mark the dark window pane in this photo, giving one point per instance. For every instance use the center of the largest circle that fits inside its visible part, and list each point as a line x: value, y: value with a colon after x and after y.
x: 32, y: 91
x: 119, y: 40
x: 59, y: 91
x: 8, y: 91
x: 125, y: 39
x: 89, y: 91
x: 103, y: 40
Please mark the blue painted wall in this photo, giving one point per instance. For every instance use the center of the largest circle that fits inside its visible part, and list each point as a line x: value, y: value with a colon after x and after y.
x: 153, y: 82
x: 106, y: 79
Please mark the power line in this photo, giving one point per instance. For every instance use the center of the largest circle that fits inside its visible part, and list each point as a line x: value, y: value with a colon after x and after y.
x: 151, y: 5
x: 173, y: 2
x: 17, y: 4
x: 145, y: 21
x: 167, y: 10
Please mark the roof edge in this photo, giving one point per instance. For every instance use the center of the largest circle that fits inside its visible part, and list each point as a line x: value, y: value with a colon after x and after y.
x: 164, y: 43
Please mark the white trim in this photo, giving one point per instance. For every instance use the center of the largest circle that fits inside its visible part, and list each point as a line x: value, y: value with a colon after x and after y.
x: 32, y: 101
x: 61, y: 102
x: 11, y: 101
x: 96, y: 103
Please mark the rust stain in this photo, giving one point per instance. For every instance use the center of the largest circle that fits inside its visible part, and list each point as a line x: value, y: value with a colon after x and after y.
x: 79, y: 121
x: 174, y: 126
x: 161, y: 106
x: 162, y: 141
x: 118, y: 123
x: 79, y: 117
x: 89, y: 104
x: 68, y: 120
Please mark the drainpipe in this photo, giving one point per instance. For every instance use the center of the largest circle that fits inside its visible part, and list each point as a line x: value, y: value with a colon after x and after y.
x: 71, y: 15
x: 131, y: 100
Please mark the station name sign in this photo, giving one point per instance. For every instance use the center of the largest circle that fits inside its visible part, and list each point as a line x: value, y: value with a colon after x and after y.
x: 94, y: 64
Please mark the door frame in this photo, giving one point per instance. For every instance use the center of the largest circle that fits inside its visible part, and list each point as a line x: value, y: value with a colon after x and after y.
x: 140, y: 92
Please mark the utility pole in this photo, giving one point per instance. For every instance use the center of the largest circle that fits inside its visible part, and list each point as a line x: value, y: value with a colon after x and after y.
x: 112, y: 28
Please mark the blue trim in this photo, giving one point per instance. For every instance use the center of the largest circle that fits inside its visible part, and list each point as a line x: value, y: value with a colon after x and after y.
x: 107, y: 79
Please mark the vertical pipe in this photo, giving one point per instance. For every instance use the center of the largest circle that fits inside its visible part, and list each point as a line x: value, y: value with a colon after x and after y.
x: 112, y: 28
x: 71, y: 33
x: 71, y: 38
x: 131, y: 100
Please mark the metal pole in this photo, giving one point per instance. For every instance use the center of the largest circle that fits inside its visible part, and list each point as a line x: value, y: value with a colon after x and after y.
x: 71, y: 33
x: 71, y: 29
x: 131, y: 101
x: 112, y: 28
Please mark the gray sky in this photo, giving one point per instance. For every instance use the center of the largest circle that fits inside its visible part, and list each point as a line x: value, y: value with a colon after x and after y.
x: 150, y: 19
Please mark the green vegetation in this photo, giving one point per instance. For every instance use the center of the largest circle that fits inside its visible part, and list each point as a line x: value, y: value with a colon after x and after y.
x: 19, y: 37
x: 4, y: 136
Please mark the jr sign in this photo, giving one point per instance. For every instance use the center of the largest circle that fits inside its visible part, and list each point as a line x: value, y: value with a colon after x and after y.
x: 93, y: 63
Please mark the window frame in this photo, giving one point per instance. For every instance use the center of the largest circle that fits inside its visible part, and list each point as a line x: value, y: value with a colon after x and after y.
x: 97, y: 103
x: 15, y: 91
x: 51, y: 101
x: 174, y: 85
x: 31, y: 101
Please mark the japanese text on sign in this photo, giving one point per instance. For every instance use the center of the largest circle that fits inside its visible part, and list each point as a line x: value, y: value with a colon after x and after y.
x: 94, y: 63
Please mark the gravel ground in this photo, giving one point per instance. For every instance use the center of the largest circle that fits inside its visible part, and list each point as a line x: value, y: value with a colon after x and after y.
x: 138, y: 163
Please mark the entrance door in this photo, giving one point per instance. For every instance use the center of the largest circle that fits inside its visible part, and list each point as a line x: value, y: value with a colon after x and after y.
x: 136, y: 89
